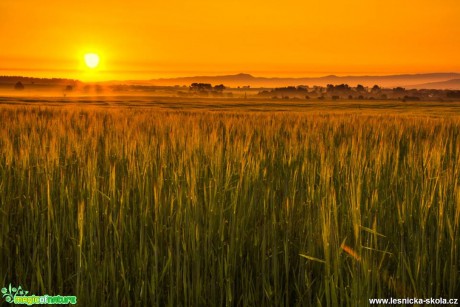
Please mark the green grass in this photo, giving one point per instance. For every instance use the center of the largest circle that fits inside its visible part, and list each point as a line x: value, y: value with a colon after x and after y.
x: 162, y: 208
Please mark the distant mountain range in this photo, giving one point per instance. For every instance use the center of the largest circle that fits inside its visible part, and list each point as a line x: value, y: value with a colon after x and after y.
x: 433, y: 80
x: 409, y: 81
x: 453, y: 84
x: 37, y: 81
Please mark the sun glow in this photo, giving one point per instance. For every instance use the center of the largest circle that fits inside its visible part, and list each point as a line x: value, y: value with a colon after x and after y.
x: 92, y: 60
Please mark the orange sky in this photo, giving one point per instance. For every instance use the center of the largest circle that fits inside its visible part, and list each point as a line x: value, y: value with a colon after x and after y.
x: 148, y: 39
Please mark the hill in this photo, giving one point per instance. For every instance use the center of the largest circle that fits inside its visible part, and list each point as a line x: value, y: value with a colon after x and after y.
x: 406, y: 80
x: 10, y: 80
x: 453, y: 84
x: 410, y: 81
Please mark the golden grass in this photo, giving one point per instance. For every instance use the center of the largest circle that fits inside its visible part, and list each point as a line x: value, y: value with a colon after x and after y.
x: 137, y: 206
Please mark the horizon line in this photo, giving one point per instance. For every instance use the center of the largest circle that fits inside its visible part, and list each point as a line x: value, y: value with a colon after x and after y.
x: 205, y: 74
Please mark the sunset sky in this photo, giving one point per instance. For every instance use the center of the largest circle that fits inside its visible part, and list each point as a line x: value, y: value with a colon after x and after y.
x: 149, y: 39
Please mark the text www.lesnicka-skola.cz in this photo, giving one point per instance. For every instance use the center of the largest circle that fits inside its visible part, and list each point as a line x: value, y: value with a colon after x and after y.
x: 426, y: 301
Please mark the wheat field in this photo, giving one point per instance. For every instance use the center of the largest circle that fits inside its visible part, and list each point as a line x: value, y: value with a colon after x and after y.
x: 138, y: 206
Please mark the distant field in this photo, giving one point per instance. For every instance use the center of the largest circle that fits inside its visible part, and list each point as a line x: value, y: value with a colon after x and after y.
x: 212, y: 202
x: 374, y: 107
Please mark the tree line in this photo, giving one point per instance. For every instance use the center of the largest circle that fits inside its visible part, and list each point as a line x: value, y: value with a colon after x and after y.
x: 359, y: 92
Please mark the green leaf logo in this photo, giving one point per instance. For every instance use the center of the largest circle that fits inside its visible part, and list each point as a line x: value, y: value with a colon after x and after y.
x: 11, y: 292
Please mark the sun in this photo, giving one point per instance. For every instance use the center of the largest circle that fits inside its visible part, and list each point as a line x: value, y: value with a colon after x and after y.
x: 92, y: 60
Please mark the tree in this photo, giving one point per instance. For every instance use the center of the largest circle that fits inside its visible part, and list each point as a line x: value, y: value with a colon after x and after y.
x: 19, y: 86
x: 342, y: 88
x: 453, y: 94
x: 219, y: 88
x: 360, y: 88
x: 399, y: 89
x: 375, y: 89
x: 199, y: 87
x: 302, y: 88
